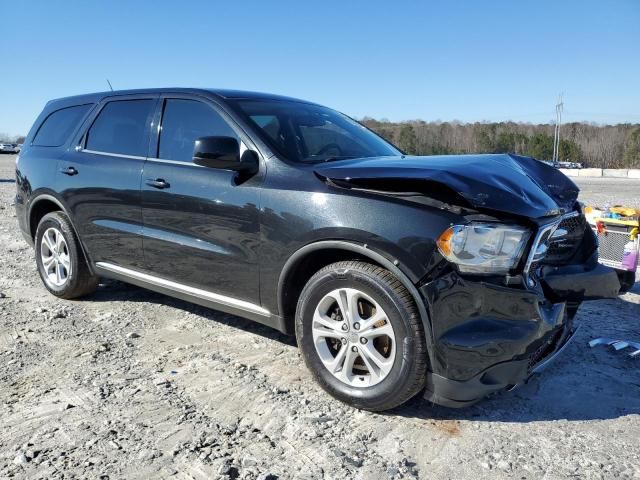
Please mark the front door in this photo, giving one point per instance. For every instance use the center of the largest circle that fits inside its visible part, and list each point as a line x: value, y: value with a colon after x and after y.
x: 200, y: 228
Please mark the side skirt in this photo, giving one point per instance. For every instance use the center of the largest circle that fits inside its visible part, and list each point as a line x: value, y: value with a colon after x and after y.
x: 205, y: 298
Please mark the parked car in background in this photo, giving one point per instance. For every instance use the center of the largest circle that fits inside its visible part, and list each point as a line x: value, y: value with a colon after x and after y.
x: 9, y: 148
x: 568, y: 165
x: 456, y: 276
x: 551, y: 163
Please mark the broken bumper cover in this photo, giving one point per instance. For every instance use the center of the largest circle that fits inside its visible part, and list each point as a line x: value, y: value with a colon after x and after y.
x: 489, y: 337
x: 504, y: 376
x: 574, y: 284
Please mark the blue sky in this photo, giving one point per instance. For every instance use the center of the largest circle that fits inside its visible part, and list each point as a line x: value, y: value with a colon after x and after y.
x: 447, y: 60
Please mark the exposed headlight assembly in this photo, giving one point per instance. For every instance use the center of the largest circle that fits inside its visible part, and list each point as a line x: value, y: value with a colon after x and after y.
x: 483, y: 247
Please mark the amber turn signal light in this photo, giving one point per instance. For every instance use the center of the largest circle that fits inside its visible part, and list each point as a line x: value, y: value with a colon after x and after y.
x: 444, y: 241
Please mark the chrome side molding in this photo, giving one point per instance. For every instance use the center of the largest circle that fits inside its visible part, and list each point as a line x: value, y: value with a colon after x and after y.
x: 107, y: 154
x: 185, y: 289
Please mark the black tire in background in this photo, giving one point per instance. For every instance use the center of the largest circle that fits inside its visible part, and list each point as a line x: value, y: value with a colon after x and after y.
x: 408, y: 374
x: 80, y: 281
x: 627, y: 280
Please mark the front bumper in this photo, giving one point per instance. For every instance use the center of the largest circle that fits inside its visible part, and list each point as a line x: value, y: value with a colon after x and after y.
x: 489, y: 337
x: 504, y: 376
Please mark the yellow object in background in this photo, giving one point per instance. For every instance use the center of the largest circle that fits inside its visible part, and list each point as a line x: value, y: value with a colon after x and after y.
x: 625, y: 211
x: 591, y: 213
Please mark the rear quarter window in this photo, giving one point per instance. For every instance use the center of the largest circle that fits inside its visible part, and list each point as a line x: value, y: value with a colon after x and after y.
x: 121, y: 128
x: 57, y: 127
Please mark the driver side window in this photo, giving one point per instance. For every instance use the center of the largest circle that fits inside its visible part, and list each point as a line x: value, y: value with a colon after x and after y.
x: 184, y: 121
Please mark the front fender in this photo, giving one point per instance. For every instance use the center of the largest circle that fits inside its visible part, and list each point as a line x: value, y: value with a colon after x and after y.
x: 361, y: 250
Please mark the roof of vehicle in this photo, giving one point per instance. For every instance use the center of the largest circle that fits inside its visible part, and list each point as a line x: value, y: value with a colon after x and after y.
x: 221, y: 93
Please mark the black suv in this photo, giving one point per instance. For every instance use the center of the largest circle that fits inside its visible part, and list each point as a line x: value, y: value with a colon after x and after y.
x: 456, y: 275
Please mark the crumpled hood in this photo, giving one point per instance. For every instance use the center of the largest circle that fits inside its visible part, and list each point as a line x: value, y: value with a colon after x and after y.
x: 502, y: 182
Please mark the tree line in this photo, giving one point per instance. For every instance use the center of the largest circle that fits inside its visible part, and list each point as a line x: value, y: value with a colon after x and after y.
x: 602, y: 146
x: 4, y: 138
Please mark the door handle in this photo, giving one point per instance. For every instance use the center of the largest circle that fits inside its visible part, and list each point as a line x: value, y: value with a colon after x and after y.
x: 71, y: 171
x: 157, y: 183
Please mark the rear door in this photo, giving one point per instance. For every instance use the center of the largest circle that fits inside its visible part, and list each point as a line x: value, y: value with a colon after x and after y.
x: 200, y: 227
x: 99, y: 180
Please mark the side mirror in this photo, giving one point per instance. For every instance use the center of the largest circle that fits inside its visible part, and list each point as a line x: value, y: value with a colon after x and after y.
x: 224, y: 153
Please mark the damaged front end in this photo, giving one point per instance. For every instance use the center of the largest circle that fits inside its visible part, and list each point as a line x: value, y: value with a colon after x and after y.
x: 503, y: 308
x: 492, y: 333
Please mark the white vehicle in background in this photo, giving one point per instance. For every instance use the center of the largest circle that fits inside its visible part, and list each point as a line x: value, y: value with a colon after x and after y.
x: 572, y: 165
x: 9, y: 148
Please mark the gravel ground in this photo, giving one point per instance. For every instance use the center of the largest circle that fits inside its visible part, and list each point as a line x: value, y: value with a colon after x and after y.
x: 132, y: 384
x: 604, y: 191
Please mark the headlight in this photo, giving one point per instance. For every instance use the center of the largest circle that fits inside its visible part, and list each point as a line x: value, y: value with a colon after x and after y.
x: 483, y: 247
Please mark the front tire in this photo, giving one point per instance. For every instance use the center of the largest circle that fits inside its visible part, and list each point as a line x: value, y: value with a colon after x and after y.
x: 361, y: 336
x: 61, y: 263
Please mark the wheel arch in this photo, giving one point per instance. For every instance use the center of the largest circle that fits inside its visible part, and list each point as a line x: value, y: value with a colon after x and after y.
x: 46, y: 203
x: 309, y: 259
x: 39, y: 207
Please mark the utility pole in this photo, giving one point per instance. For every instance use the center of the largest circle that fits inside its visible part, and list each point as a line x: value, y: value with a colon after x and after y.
x: 556, y: 134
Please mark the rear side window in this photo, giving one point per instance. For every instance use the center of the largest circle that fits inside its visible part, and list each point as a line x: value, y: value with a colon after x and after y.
x: 184, y: 121
x: 57, y: 127
x: 121, y: 127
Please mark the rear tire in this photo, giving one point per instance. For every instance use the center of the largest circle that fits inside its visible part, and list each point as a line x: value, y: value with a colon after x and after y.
x: 61, y: 262
x: 375, y: 356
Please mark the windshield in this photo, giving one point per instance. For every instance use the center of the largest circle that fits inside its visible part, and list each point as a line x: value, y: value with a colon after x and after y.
x: 310, y: 133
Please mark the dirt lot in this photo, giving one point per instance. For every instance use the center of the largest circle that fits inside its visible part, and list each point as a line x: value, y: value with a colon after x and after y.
x: 132, y: 384
x: 605, y: 191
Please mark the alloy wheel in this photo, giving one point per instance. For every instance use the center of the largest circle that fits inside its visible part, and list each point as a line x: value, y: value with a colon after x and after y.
x: 54, y: 254
x: 354, y: 337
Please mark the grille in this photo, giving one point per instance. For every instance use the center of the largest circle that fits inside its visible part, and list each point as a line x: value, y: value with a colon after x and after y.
x: 556, y: 243
x: 565, y: 240
x: 574, y: 224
